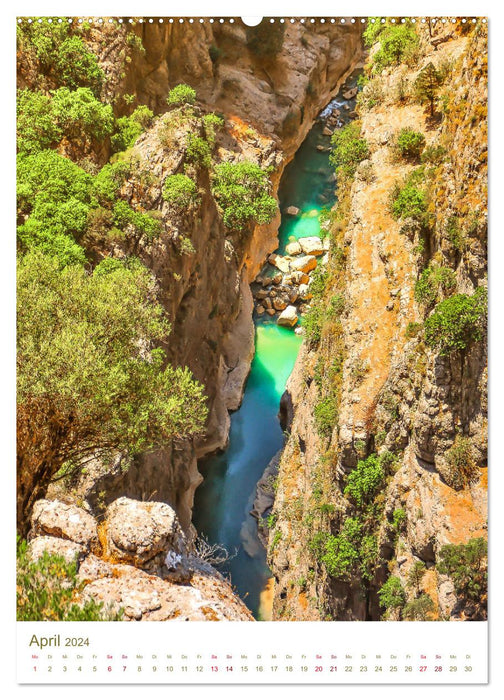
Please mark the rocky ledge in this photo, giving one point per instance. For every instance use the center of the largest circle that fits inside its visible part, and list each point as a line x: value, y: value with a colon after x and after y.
x: 136, y: 559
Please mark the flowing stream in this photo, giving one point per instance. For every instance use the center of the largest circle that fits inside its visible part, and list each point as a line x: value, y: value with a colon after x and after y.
x: 223, y: 501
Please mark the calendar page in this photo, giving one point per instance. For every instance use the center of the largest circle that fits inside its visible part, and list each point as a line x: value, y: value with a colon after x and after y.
x: 252, y: 349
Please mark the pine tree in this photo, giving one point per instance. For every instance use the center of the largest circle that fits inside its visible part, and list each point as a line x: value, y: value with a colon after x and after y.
x: 427, y: 84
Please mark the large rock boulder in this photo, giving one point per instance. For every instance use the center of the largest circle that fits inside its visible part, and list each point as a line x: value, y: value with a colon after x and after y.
x: 288, y: 317
x: 66, y: 521
x: 293, y: 248
x: 144, y: 534
x: 311, y: 245
x: 304, y: 264
x: 292, y: 211
x: 71, y: 551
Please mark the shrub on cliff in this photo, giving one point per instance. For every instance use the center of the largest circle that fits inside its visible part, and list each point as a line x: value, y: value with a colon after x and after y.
x: 64, y: 58
x: 466, y: 565
x: 181, y: 95
x: 462, y: 467
x: 398, y: 43
x: 392, y: 595
x: 420, y: 608
x: 180, y: 191
x: 198, y: 151
x: 409, y: 201
x: 364, y: 482
x: 36, y: 127
x: 410, y: 143
x: 242, y: 191
x: 90, y: 380
x: 78, y: 113
x: 349, y: 149
x: 432, y: 282
x: 46, y: 590
x: 128, y: 129
x: 427, y: 84
x: 457, y: 322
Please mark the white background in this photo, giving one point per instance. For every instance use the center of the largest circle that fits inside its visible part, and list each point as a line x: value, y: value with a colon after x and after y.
x: 7, y: 347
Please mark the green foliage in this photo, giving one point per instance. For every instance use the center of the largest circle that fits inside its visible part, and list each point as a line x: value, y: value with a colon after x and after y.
x: 42, y: 122
x: 398, y: 44
x: 53, y: 193
x: 325, y: 413
x: 392, y: 595
x: 466, y: 565
x: 372, y: 31
x: 107, y: 183
x: 242, y: 191
x: 462, y: 467
x: 427, y: 84
x: 265, y: 40
x: 434, y: 154
x: 198, y: 151
x: 90, y: 380
x: 181, y: 95
x: 61, y: 53
x: 419, y: 608
x: 432, y: 282
x: 457, y: 322
x: 36, y: 127
x: 212, y: 123
x: 409, y: 201
x: 398, y: 519
x: 416, y: 574
x: 349, y: 149
x: 76, y: 66
x: 364, y: 482
x: 128, y: 129
x: 413, y: 329
x: 410, y: 143
x: 79, y: 112
x: 454, y: 233
x: 214, y: 53
x: 46, y: 590
x: 136, y: 223
x: 180, y: 191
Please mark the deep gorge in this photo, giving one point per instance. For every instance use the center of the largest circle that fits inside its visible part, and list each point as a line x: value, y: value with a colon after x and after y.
x: 367, y: 393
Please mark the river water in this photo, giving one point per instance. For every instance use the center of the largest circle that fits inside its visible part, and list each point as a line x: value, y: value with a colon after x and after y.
x: 223, y: 501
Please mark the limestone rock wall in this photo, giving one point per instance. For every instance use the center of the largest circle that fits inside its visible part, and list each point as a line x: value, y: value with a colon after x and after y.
x: 396, y: 394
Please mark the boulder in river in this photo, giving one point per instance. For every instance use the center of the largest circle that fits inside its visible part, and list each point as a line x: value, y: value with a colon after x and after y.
x: 288, y: 317
x: 304, y: 264
x: 292, y: 211
x: 279, y: 304
x: 260, y: 309
x: 280, y: 262
x: 350, y: 94
x: 304, y: 292
x: 311, y: 245
x: 293, y: 248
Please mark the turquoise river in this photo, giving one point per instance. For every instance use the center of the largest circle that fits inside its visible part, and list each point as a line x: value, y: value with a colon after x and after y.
x: 223, y: 501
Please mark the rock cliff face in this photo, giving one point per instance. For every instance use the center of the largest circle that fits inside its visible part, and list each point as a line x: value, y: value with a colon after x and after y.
x: 137, y: 560
x: 396, y: 397
x: 269, y: 103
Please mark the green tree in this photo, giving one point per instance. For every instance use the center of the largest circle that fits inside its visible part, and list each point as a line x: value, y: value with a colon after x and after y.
x: 427, y: 85
x: 392, y: 595
x: 76, y: 66
x: 53, y: 205
x: 180, y: 191
x: 466, y: 565
x: 349, y: 149
x: 36, y: 126
x: 181, y: 95
x: 90, y: 381
x: 242, y: 191
x: 198, y: 151
x: 46, y: 590
x: 79, y: 112
x: 398, y: 43
x: 419, y: 608
x: 457, y: 322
